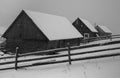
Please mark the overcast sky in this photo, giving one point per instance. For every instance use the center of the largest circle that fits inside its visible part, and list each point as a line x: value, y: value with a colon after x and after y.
x: 103, y: 12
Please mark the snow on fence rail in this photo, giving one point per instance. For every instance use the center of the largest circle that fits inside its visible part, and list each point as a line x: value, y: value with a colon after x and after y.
x: 59, y: 61
x: 101, y: 38
x: 15, y: 59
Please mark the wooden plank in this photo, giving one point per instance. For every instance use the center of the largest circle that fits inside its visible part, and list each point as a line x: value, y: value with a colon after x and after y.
x: 10, y: 62
x: 8, y: 57
x: 7, y: 68
x: 72, y: 48
x: 64, y: 49
x: 57, y: 56
x: 96, y: 57
x: 73, y: 54
x: 44, y: 63
x: 16, y: 58
x: 77, y: 59
x: 63, y: 61
x: 69, y: 55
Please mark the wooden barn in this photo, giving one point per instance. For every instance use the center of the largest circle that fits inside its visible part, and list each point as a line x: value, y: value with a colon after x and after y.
x: 85, y: 28
x: 103, y: 30
x: 33, y: 31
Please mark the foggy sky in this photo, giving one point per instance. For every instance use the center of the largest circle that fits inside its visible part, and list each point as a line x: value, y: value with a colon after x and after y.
x: 103, y: 12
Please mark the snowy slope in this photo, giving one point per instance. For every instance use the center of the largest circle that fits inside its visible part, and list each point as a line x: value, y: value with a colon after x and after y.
x: 65, y: 58
x: 95, y: 68
x: 100, y: 68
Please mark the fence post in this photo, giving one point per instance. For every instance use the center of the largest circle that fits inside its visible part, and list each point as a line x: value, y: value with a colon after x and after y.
x: 16, y: 58
x: 110, y: 38
x: 69, y: 55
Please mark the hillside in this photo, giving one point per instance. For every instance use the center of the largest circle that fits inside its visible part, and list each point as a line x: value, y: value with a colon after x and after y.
x: 84, y: 68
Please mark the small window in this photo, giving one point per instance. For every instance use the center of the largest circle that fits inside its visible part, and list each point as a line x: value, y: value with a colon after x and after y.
x: 86, y: 35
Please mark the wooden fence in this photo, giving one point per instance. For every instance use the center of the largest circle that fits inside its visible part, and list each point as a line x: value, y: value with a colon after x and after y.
x: 60, y: 54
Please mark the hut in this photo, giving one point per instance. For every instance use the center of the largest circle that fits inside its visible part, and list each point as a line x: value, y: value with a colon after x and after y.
x: 85, y: 28
x: 103, y: 30
x: 33, y: 31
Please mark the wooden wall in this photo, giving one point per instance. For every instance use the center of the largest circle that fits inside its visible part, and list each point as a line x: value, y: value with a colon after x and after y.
x: 24, y: 33
x: 82, y: 28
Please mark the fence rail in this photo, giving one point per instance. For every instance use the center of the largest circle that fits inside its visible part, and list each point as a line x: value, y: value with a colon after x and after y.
x: 69, y: 54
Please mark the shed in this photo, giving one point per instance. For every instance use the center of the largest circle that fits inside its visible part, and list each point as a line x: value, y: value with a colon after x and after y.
x: 103, y: 30
x: 33, y: 31
x: 85, y: 28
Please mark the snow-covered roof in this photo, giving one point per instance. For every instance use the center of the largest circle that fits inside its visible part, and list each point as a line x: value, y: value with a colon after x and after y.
x: 54, y: 27
x: 2, y: 30
x: 105, y: 29
x: 89, y: 25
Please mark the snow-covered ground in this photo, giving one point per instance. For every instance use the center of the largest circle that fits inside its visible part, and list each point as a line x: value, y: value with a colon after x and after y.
x: 65, y: 58
x: 95, y: 68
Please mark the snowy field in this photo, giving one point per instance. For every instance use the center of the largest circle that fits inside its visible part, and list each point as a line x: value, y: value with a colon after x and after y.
x: 62, y: 53
x: 96, y: 68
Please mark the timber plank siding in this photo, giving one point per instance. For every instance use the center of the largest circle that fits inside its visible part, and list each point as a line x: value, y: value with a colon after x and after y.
x: 82, y: 28
x: 26, y: 35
